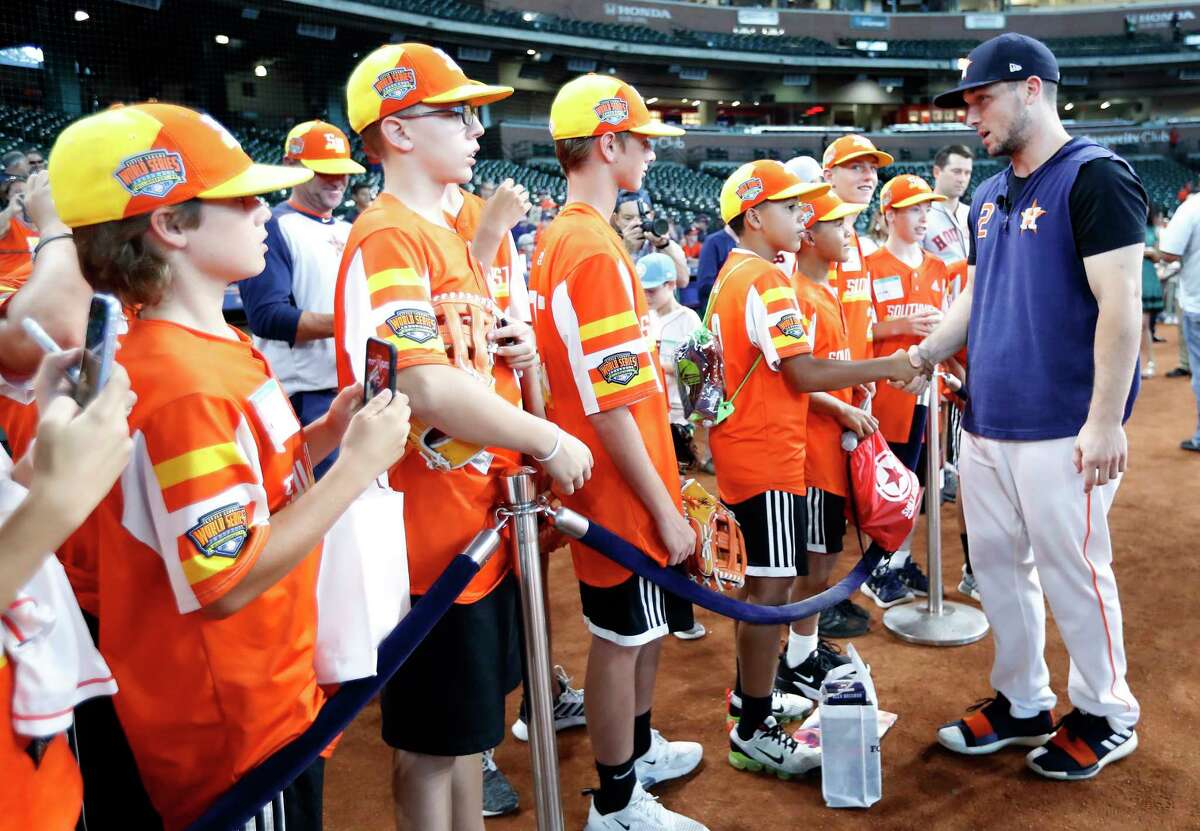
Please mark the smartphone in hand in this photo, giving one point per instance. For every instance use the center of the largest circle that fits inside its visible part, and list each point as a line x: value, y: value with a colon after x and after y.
x: 99, y: 348
x: 380, y: 370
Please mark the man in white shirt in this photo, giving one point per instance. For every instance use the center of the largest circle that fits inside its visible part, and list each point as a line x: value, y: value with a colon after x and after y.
x: 946, y: 236
x: 1181, y: 241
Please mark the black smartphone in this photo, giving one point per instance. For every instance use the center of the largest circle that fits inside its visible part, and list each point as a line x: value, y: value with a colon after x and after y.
x: 99, y: 348
x: 380, y: 372
x: 501, y: 322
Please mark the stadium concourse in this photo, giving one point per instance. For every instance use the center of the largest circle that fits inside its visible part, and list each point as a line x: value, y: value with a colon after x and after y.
x: 924, y: 786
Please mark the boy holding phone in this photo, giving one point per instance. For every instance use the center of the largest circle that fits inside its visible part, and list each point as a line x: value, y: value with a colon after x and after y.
x: 403, y: 267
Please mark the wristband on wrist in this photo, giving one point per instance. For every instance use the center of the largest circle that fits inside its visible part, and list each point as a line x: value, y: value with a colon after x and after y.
x: 44, y: 241
x: 554, y: 452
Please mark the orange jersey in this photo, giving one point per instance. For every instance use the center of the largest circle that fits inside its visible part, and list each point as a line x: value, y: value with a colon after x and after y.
x: 901, y: 291
x: 18, y: 417
x: 217, y: 451
x: 761, y: 446
x: 853, y: 283
x: 825, y: 461
x: 395, y: 262
x: 46, y: 796
x: 16, y: 246
x: 508, y: 288
x: 593, y: 330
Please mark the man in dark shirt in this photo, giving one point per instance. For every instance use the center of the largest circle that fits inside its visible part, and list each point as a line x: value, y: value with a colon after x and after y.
x: 1052, y: 312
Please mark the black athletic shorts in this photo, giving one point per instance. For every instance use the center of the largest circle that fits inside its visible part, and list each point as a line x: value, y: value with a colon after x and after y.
x: 448, y: 697
x: 633, y: 613
x: 774, y: 525
x: 826, y: 521
x: 912, y: 452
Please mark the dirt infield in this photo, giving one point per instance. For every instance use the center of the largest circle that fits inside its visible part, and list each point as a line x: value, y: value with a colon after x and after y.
x: 1154, y: 528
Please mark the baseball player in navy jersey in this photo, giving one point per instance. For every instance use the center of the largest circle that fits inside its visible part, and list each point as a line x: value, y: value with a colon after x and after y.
x: 1054, y: 278
x: 290, y: 305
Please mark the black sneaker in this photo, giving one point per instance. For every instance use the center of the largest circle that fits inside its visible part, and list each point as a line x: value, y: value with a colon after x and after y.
x: 1179, y: 372
x: 989, y: 726
x: 911, y: 575
x: 807, y: 678
x: 1081, y: 747
x: 836, y: 623
x: 885, y: 587
x: 499, y: 798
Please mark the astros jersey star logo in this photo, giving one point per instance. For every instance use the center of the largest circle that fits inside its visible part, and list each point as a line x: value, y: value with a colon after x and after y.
x: 1029, y: 217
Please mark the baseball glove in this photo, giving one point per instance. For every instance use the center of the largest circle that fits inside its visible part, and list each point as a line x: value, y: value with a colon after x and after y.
x: 463, y: 322
x: 719, y: 560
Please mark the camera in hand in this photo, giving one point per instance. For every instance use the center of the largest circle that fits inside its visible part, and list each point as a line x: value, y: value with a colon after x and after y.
x: 658, y: 226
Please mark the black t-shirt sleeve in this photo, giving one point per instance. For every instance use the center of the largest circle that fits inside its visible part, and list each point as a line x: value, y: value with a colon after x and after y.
x: 1108, y: 207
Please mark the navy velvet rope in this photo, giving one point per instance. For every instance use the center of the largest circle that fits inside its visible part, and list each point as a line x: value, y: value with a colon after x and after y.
x: 676, y: 582
x: 235, y: 807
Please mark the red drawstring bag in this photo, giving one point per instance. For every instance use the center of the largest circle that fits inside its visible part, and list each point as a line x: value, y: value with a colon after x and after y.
x: 885, y: 497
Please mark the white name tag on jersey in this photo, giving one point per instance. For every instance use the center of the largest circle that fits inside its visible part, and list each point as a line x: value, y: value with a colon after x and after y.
x: 888, y: 288
x: 275, y: 413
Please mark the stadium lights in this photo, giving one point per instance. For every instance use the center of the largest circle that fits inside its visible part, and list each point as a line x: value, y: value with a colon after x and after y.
x: 81, y: 16
x: 530, y: 52
x: 528, y: 17
x: 696, y: 103
x: 756, y: 103
x: 260, y: 71
x: 735, y: 104
x: 1104, y: 105
x: 651, y: 100
x: 222, y: 39
x: 1068, y: 106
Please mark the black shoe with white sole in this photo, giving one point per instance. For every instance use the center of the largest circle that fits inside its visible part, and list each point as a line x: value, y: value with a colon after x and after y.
x: 807, y: 678
x: 989, y: 725
x: 1081, y: 747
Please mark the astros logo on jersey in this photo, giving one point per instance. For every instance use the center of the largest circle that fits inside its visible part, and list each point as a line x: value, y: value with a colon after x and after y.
x: 395, y: 83
x: 749, y: 189
x: 619, y: 368
x: 152, y: 173
x: 220, y: 533
x: 612, y: 110
x: 1030, y: 215
x: 414, y: 324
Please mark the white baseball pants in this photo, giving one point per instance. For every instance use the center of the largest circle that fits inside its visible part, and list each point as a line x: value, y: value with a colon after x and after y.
x: 1034, y: 533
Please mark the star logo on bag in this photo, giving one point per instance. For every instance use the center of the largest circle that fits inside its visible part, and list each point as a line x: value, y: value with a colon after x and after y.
x: 892, y: 480
x: 1029, y: 217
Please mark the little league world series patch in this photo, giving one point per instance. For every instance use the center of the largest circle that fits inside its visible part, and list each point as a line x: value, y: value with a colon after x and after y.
x: 221, y: 533
x: 153, y: 173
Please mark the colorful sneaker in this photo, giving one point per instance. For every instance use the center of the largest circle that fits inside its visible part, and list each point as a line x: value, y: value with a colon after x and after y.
x: 912, y: 576
x: 968, y: 586
x: 826, y: 661
x: 568, y: 708
x: 885, y: 587
x: 772, y: 750
x: 990, y: 726
x: 836, y: 622
x: 785, y: 707
x: 695, y: 633
x: 666, y: 760
x: 499, y: 797
x: 643, y: 813
x: 1081, y: 747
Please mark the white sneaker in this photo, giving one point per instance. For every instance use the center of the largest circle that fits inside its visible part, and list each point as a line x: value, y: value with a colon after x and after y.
x: 643, y: 813
x: 785, y: 706
x: 666, y: 760
x: 568, y: 708
x: 772, y: 750
x: 697, y: 631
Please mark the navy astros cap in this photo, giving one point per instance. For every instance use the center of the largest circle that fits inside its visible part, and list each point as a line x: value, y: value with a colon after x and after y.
x: 1006, y: 57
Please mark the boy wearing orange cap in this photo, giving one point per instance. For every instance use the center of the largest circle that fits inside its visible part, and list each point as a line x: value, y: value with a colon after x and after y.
x: 289, y: 306
x: 206, y: 552
x: 759, y: 450
x: 403, y: 267
x: 602, y: 372
x: 909, y: 285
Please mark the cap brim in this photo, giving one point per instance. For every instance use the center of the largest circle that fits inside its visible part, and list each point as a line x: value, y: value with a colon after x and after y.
x: 952, y: 99
x: 258, y: 179
x: 842, y: 211
x: 472, y: 93
x: 799, y: 189
x: 657, y: 129
x: 917, y: 200
x: 333, y: 167
x: 882, y: 159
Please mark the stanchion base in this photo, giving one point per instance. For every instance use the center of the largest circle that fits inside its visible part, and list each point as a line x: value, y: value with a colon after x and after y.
x: 957, y: 625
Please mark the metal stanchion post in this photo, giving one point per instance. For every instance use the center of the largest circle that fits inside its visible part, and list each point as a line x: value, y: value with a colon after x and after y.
x: 523, y: 507
x: 939, y: 622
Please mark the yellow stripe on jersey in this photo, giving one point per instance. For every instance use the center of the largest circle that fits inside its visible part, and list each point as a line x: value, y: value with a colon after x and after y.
x: 197, y: 463
x: 778, y: 293
x: 784, y: 341
x: 607, y: 325
x: 393, y: 277
x: 198, y: 568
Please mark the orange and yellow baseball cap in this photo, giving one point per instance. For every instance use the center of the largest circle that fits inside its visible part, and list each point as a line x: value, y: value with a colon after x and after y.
x: 906, y: 190
x: 322, y: 148
x: 130, y: 160
x: 592, y: 105
x: 827, y: 207
x: 765, y: 180
x: 853, y: 147
x: 402, y: 75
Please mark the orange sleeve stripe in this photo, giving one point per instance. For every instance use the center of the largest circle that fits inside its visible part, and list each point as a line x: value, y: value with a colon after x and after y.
x: 397, y: 294
x: 600, y: 343
x: 202, y: 487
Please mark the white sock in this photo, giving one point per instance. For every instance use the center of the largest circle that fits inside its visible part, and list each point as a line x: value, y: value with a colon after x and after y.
x: 799, y: 648
x: 899, y: 558
x: 1021, y: 712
